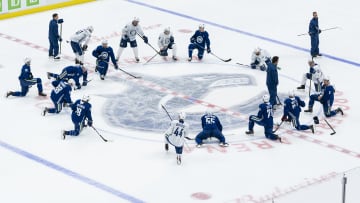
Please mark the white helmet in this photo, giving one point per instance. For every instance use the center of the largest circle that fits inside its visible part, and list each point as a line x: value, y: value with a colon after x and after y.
x: 27, y: 60
x: 209, y: 111
x: 136, y: 19
x: 86, y: 98
x: 71, y: 82
x: 90, y: 28
x: 257, y: 49
x: 266, y: 98
x: 291, y: 93
x: 202, y: 25
x: 327, y: 78
x: 104, y: 42
x: 167, y: 30
x: 182, y: 116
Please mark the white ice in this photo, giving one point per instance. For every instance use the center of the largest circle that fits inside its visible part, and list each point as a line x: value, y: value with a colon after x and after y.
x: 37, y: 166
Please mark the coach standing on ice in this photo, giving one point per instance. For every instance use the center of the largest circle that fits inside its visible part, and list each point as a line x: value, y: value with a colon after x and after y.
x: 314, y: 32
x: 54, y: 36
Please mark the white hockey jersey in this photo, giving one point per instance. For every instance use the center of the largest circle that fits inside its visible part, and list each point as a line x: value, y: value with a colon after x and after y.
x: 82, y: 36
x: 164, y: 40
x: 176, y: 133
x: 261, y: 58
x: 130, y: 30
x: 318, y: 75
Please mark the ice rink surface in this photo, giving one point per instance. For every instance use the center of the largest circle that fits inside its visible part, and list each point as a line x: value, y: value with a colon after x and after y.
x: 36, y: 165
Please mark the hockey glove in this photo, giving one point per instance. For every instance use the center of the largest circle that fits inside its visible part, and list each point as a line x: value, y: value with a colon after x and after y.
x: 84, y: 47
x: 60, y: 39
x: 192, y: 40
x: 60, y: 21
x: 146, y: 40
x: 163, y: 52
x: 316, y: 120
x: 319, y: 31
x: 89, y: 123
x: 31, y: 76
x: 208, y: 50
x: 284, y: 118
x: 116, y: 66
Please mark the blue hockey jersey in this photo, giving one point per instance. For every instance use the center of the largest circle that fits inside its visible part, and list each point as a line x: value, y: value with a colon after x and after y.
x: 61, y: 92
x: 80, y: 111
x: 25, y: 73
x: 293, y: 105
x: 201, y: 39
x: 104, y: 54
x: 266, y: 114
x: 210, y: 122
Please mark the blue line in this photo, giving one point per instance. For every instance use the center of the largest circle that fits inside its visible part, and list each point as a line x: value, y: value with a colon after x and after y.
x: 243, y: 32
x: 70, y: 173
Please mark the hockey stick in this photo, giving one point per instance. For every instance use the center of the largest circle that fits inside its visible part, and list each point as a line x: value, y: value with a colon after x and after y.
x: 105, y: 140
x: 148, y: 44
x: 225, y: 60
x: 321, y: 31
x: 333, y: 131
x: 60, y: 38
x: 151, y: 59
x: 163, y: 107
x: 310, y: 87
x: 279, y: 100
x: 278, y: 126
x: 240, y: 64
x: 136, y: 77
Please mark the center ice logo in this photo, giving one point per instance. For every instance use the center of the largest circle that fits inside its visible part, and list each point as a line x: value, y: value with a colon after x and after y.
x: 138, y: 107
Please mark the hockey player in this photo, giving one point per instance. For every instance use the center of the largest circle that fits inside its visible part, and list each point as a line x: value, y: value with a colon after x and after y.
x: 81, y: 112
x: 198, y: 41
x: 211, y: 128
x: 258, y: 58
x: 129, y: 33
x: 292, y: 109
x: 104, y: 53
x: 326, y: 98
x: 79, y: 43
x: 264, y: 118
x: 272, y: 79
x: 175, y: 134
x: 165, y: 42
x: 60, y: 95
x: 72, y: 72
x: 54, y: 37
x: 315, y: 74
x: 27, y: 80
x: 314, y: 32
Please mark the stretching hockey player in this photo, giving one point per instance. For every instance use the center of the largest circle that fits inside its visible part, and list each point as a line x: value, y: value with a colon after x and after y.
x: 104, y: 53
x: 71, y: 72
x: 81, y: 112
x: 60, y: 96
x: 79, y: 43
x: 292, y: 109
x: 27, y: 80
x: 264, y: 118
x: 198, y: 41
x: 258, y: 58
x: 129, y: 33
x: 175, y: 134
x: 315, y: 74
x: 211, y: 128
x: 165, y: 42
x: 326, y: 98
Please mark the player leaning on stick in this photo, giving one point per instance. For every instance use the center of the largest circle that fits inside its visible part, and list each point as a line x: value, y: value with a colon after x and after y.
x: 175, y: 135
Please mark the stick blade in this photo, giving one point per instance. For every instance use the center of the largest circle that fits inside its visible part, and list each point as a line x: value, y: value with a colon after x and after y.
x: 333, y: 133
x: 227, y: 60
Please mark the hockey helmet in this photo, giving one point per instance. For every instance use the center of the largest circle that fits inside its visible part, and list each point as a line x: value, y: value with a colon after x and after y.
x: 266, y: 98
x: 167, y: 30
x: 86, y: 98
x: 71, y: 82
x: 257, y: 50
x: 137, y: 19
x: 182, y: 116
x: 202, y: 26
x: 291, y: 93
x: 90, y: 28
x: 326, y: 78
x: 104, y: 42
x: 27, y: 60
x: 209, y: 111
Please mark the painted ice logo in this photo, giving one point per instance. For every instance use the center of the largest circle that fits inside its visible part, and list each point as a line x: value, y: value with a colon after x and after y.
x: 14, y: 4
x: 32, y: 2
x: 138, y: 108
